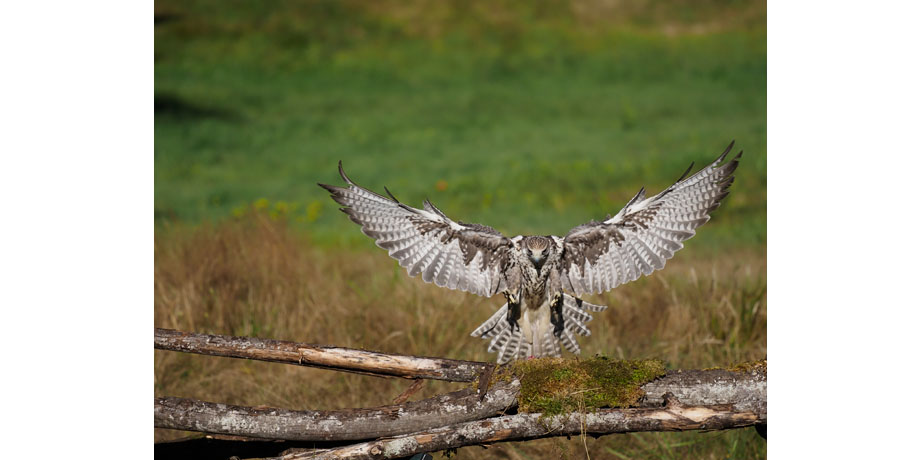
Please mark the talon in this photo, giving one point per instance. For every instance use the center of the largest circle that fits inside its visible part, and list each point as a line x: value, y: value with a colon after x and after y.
x: 514, y: 310
x: 556, y: 315
x: 557, y: 330
x: 512, y: 320
x: 556, y: 300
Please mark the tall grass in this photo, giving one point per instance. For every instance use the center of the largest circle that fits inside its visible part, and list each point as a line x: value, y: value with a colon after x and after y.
x: 255, y: 276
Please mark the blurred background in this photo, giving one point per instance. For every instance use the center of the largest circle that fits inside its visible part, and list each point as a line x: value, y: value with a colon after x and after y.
x: 529, y: 117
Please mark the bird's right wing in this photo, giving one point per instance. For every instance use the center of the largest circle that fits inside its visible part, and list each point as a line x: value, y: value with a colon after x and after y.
x: 468, y: 257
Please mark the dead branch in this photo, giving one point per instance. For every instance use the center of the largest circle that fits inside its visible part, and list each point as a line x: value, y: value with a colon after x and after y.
x: 696, y: 400
x: 745, y: 389
x: 405, y: 395
x: 341, y: 359
x: 350, y: 424
x: 673, y: 416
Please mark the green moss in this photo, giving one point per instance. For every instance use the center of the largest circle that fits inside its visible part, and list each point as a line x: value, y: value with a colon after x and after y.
x: 749, y: 366
x: 555, y: 385
x: 746, y: 366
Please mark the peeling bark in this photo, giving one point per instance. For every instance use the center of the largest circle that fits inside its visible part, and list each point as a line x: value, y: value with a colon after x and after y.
x: 341, y: 359
x: 349, y: 424
x: 746, y: 390
x: 673, y: 416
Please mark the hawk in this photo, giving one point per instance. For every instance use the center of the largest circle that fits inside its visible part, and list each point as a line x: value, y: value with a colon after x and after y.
x: 541, y: 277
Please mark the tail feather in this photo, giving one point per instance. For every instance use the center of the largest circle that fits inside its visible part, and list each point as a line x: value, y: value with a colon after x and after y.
x: 579, y: 315
x: 500, y: 340
x: 581, y: 304
x: 512, y: 344
x: 575, y: 322
x: 569, y: 342
x: 550, y: 344
x: 488, y: 329
x: 508, y: 343
x: 512, y: 348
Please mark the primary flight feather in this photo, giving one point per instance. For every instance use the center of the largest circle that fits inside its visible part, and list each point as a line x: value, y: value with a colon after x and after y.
x: 541, y: 277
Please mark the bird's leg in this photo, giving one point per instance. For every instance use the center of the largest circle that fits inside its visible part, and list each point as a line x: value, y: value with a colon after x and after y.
x: 555, y: 310
x: 514, y: 309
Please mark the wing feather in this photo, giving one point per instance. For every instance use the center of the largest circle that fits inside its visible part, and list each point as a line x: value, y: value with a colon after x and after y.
x: 469, y: 257
x: 599, y: 256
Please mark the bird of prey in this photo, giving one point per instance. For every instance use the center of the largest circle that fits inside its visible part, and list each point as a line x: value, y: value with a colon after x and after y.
x: 541, y: 277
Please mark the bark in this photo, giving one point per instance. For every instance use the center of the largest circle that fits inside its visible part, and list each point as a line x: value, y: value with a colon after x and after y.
x: 746, y: 390
x: 342, y: 359
x: 696, y: 400
x: 674, y: 416
x: 350, y: 424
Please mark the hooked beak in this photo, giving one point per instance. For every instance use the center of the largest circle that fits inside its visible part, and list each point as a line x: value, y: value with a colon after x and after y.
x: 537, y: 259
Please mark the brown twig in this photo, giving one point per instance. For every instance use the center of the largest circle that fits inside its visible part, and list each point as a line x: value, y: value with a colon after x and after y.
x: 405, y: 395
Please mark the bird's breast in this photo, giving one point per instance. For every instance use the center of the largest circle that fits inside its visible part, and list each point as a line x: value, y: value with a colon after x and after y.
x: 534, y: 299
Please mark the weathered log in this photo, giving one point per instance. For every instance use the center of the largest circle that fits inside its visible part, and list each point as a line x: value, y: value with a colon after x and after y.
x: 745, y: 389
x: 341, y: 359
x: 674, y: 416
x: 350, y: 424
x: 710, y: 399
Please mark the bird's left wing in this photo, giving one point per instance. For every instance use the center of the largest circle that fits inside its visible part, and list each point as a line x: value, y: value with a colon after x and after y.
x: 468, y: 257
x: 599, y: 256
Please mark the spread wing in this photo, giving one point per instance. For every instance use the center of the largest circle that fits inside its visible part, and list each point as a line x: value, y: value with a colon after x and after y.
x: 468, y: 257
x: 599, y: 256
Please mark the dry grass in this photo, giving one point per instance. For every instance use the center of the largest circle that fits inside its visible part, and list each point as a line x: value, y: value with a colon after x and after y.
x: 257, y: 277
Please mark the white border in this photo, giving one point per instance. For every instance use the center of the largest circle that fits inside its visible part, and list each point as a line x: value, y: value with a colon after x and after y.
x: 843, y: 99
x: 77, y: 183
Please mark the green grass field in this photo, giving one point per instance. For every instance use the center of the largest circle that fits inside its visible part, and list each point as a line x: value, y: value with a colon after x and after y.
x: 528, y: 118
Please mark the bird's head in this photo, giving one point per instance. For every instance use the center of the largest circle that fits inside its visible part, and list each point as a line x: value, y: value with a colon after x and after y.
x: 537, y: 249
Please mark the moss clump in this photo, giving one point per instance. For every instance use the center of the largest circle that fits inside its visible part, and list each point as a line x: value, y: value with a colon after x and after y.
x: 744, y: 367
x: 555, y: 385
x: 749, y: 366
